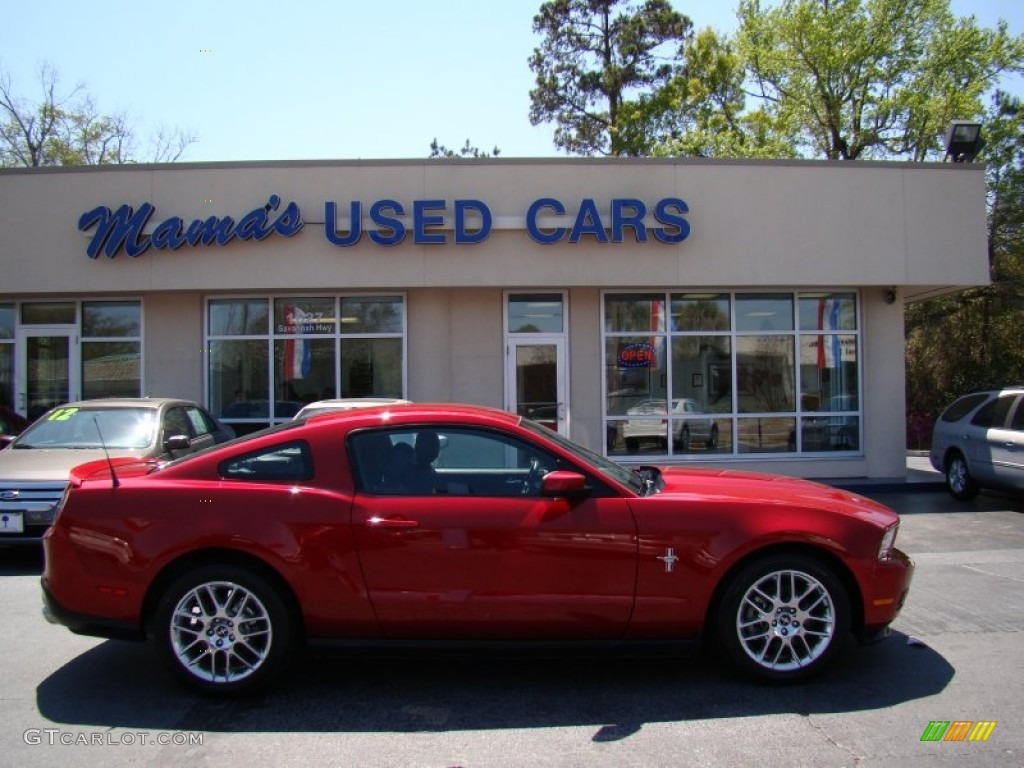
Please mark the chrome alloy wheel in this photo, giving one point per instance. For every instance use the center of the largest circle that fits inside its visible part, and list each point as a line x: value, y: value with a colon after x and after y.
x: 786, y: 621
x: 220, y: 632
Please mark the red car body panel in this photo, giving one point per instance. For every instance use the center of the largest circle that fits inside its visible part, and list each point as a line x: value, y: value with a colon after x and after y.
x: 364, y: 565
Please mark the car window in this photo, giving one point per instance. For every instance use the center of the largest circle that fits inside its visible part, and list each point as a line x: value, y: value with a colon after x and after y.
x: 74, y: 427
x: 1018, y: 416
x: 994, y: 414
x: 963, y: 406
x: 289, y: 462
x: 454, y: 461
x: 176, y: 423
x: 201, y: 423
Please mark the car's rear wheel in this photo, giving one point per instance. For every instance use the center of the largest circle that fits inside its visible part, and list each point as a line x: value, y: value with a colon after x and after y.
x: 959, y: 482
x: 713, y: 438
x: 784, y: 617
x: 224, y: 629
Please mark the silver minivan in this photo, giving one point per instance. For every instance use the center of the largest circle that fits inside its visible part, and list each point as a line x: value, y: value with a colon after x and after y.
x: 978, y: 442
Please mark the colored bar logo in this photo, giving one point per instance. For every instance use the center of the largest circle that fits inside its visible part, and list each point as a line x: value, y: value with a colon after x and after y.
x: 958, y: 730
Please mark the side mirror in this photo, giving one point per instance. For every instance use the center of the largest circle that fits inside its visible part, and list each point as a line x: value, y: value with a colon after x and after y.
x: 569, y: 485
x: 176, y: 443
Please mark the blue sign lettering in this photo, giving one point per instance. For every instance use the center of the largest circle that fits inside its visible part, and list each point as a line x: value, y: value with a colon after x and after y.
x: 471, y: 222
x: 626, y: 213
x: 123, y: 228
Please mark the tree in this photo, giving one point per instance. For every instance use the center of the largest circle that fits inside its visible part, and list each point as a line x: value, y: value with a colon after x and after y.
x: 596, y: 58
x: 66, y: 128
x: 871, y: 78
x: 972, y: 339
x: 702, y: 110
x: 467, y: 150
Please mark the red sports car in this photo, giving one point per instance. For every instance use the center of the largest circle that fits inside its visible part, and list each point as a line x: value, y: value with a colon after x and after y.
x: 412, y: 523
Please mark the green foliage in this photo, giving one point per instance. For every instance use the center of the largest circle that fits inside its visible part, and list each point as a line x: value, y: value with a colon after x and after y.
x: 871, y: 79
x: 67, y: 129
x: 596, y: 59
x: 467, y: 150
x: 973, y: 339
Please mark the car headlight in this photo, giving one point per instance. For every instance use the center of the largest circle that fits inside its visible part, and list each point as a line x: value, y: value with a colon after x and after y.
x: 888, y: 540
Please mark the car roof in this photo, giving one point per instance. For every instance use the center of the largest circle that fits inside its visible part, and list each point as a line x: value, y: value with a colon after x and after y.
x: 413, y: 413
x: 127, y: 402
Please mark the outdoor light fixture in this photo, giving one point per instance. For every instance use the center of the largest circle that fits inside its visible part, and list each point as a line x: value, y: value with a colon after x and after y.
x: 963, y: 140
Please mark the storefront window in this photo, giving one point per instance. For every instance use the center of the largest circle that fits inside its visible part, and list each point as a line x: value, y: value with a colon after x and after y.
x: 111, y: 349
x: 48, y: 313
x: 748, y: 373
x: 269, y: 357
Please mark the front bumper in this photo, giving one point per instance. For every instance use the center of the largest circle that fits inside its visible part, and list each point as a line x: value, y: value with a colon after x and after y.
x: 883, y: 601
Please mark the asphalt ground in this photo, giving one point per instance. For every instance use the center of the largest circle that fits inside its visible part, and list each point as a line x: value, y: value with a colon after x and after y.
x: 956, y: 654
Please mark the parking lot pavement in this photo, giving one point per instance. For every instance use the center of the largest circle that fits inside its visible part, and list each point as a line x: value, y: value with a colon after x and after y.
x: 956, y: 654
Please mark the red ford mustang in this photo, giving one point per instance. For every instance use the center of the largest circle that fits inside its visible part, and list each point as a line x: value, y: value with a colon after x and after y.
x: 413, y: 523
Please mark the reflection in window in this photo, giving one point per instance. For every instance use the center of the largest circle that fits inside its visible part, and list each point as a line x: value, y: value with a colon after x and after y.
x: 111, y: 349
x: 262, y: 372
x: 748, y: 373
x: 535, y: 313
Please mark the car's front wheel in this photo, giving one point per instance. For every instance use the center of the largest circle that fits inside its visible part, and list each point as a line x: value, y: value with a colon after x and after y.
x: 959, y: 482
x: 224, y: 629
x: 783, y: 617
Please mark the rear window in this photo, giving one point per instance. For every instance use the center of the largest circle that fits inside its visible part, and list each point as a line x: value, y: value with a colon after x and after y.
x: 963, y: 406
x: 279, y: 463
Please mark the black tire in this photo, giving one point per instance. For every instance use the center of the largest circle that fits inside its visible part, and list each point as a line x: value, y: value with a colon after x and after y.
x: 223, y: 629
x: 959, y: 482
x: 783, y: 618
x: 713, y: 439
x: 684, y: 439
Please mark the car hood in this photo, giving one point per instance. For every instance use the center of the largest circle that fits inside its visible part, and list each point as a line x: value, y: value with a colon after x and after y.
x: 730, y: 485
x: 48, y: 464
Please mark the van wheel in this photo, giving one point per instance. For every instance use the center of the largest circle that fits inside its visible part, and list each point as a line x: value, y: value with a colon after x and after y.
x: 959, y: 482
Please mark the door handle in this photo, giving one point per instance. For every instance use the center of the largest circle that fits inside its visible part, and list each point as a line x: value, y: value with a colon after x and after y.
x: 391, y: 522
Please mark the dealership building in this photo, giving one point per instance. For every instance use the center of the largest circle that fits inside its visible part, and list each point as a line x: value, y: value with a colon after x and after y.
x: 740, y: 314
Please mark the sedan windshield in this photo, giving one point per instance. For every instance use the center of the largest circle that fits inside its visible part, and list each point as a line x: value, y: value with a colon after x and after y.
x: 122, y: 428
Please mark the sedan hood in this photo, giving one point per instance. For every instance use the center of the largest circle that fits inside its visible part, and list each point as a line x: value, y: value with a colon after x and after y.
x: 726, y: 485
x: 46, y: 464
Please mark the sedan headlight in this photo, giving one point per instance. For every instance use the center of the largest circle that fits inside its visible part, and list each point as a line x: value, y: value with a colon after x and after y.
x: 888, y: 540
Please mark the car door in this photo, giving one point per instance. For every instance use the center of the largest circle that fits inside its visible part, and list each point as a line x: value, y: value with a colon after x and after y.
x: 986, y: 439
x: 481, y: 554
x: 1006, y: 444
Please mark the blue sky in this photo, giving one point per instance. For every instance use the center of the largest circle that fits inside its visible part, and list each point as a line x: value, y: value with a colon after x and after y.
x: 312, y: 79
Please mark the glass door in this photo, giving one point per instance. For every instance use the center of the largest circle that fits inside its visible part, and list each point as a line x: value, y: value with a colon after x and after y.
x: 535, y: 376
x: 48, y: 369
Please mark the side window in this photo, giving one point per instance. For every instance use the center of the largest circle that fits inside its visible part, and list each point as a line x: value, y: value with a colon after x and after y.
x: 452, y: 461
x: 280, y: 463
x: 994, y: 414
x: 1018, y: 417
x: 200, y: 423
x: 176, y: 423
x: 962, y: 407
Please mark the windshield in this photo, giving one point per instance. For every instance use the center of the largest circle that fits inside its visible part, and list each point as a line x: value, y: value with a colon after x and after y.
x: 121, y: 428
x: 615, y: 471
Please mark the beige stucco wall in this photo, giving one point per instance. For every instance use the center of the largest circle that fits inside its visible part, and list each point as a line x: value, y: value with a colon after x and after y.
x: 751, y: 224
x: 864, y: 226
